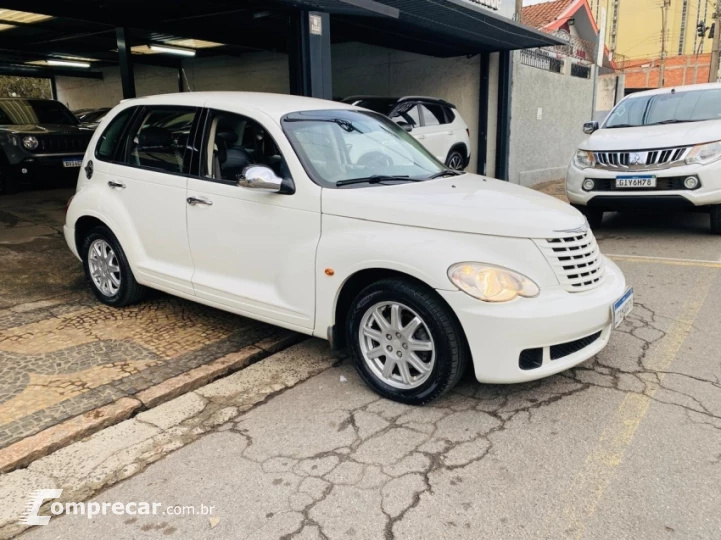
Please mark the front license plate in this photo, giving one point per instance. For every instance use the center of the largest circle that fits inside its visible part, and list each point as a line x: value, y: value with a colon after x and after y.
x: 622, y: 307
x: 72, y: 162
x: 645, y: 181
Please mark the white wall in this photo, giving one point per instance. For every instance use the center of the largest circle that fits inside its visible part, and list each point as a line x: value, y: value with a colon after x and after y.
x: 253, y: 72
x: 365, y: 69
x: 79, y: 93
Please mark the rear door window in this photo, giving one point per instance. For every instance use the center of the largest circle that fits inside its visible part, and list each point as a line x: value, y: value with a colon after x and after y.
x: 160, y: 139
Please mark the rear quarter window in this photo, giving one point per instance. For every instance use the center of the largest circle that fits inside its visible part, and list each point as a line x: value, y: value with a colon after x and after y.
x: 112, y: 137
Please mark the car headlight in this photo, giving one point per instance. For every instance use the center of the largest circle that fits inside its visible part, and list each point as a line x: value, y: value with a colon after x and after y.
x: 704, y: 153
x: 584, y: 159
x: 30, y: 142
x: 491, y: 283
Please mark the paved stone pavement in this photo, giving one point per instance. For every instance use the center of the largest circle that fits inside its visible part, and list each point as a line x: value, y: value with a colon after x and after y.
x: 626, y: 445
x: 62, y: 352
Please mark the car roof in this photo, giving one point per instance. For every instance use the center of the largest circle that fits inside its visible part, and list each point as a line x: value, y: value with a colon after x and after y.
x: 426, y: 99
x: 273, y: 104
x: 673, y: 89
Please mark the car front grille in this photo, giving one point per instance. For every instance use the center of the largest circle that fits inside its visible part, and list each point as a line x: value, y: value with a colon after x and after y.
x: 57, y: 144
x: 533, y: 358
x: 575, y: 259
x: 641, y: 160
x: 670, y: 183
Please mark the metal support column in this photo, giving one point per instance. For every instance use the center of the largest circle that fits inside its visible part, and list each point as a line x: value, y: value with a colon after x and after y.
x: 126, y: 64
x: 503, y: 130
x: 309, y: 58
x: 181, y: 86
x: 53, y: 87
x: 483, y: 95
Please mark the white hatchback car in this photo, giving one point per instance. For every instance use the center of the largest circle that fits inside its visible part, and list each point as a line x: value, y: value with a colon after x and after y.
x: 436, y: 123
x: 656, y: 149
x: 251, y: 203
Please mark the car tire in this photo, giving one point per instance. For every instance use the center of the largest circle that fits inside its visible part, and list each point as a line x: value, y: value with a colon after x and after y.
x: 716, y: 219
x: 593, y: 215
x: 107, y: 269
x: 456, y: 160
x: 436, y: 344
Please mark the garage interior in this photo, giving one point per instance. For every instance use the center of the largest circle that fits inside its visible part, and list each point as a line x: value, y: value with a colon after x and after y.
x: 457, y: 50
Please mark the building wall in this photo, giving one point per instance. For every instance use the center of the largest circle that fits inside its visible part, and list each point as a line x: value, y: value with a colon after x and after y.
x: 79, y: 93
x: 609, y: 91
x: 541, y: 148
x: 252, y: 72
x: 365, y: 69
x: 638, y: 26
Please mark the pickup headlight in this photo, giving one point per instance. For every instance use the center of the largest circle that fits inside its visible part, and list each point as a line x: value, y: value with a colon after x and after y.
x: 491, y: 283
x: 704, y: 153
x: 30, y: 142
x: 584, y: 159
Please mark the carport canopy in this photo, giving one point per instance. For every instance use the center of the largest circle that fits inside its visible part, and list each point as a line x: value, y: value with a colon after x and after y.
x: 86, y: 29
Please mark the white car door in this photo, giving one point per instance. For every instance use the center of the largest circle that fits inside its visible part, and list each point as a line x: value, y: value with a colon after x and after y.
x: 145, y: 194
x: 253, y: 251
x: 433, y: 134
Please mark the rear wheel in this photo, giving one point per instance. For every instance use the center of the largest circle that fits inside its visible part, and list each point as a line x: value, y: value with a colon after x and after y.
x: 108, y: 270
x: 406, y: 343
x: 593, y: 215
x: 716, y: 219
x: 456, y: 160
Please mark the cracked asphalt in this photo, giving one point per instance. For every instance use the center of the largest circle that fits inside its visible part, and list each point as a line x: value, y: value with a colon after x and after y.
x: 627, y: 445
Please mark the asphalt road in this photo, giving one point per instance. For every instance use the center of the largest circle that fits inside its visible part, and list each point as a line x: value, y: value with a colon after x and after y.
x: 627, y: 445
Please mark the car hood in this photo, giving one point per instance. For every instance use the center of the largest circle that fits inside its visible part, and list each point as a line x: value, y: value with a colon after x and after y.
x: 42, y: 129
x: 468, y: 204
x: 650, y: 137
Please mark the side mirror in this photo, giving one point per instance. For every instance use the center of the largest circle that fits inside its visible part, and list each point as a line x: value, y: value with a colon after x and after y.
x: 406, y: 126
x: 590, y: 127
x: 262, y: 178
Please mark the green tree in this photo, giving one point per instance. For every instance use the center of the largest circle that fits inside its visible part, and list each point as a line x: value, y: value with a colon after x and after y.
x: 27, y: 87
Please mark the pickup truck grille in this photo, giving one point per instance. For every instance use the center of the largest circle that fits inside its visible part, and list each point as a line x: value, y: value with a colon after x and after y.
x: 642, y: 159
x: 575, y: 259
x: 59, y: 144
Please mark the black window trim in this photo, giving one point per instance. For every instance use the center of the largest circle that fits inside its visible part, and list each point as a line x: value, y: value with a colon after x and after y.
x: 135, y: 125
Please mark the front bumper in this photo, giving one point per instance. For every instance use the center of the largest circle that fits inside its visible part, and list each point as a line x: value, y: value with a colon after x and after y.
x: 498, y: 333
x: 46, y: 168
x: 709, y: 192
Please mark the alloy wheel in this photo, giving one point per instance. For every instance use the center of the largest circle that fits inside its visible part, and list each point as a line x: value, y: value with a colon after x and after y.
x: 104, y: 268
x: 455, y: 162
x: 396, y: 345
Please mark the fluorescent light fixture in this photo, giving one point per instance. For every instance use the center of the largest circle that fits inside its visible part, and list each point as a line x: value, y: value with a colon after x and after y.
x: 67, y: 63
x: 172, y: 50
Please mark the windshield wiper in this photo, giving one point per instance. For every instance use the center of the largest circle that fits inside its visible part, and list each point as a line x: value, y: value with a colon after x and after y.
x: 446, y: 172
x: 376, y: 179
x: 671, y: 121
x: 621, y: 126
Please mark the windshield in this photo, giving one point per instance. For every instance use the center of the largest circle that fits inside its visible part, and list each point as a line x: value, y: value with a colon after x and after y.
x: 690, y: 106
x: 34, y: 111
x: 341, y: 145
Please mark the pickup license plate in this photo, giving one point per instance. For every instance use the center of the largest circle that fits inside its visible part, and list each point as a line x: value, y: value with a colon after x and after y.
x: 622, y: 307
x: 72, y: 162
x: 645, y: 181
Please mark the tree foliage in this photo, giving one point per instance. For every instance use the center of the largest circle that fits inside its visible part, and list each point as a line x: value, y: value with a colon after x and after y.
x: 27, y: 87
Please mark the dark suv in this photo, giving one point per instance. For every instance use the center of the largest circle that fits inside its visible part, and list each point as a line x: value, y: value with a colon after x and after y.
x: 40, y: 142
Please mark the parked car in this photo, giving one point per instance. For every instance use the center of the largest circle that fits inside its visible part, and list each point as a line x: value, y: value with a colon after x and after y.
x: 40, y: 140
x: 90, y: 118
x: 251, y: 203
x: 657, y: 149
x: 436, y: 123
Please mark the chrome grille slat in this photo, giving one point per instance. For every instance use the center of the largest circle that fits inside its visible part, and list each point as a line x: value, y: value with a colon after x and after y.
x: 575, y: 259
x: 639, y: 160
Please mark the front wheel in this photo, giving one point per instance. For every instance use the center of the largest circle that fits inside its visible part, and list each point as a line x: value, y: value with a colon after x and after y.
x: 407, y: 344
x: 593, y: 215
x: 716, y: 219
x: 456, y: 160
x: 108, y: 271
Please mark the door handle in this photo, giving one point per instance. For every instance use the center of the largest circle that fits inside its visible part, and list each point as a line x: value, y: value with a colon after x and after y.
x: 420, y: 136
x: 114, y: 185
x: 449, y: 133
x: 192, y: 201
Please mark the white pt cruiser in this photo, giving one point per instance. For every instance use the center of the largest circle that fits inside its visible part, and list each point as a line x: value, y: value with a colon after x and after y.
x: 252, y: 203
